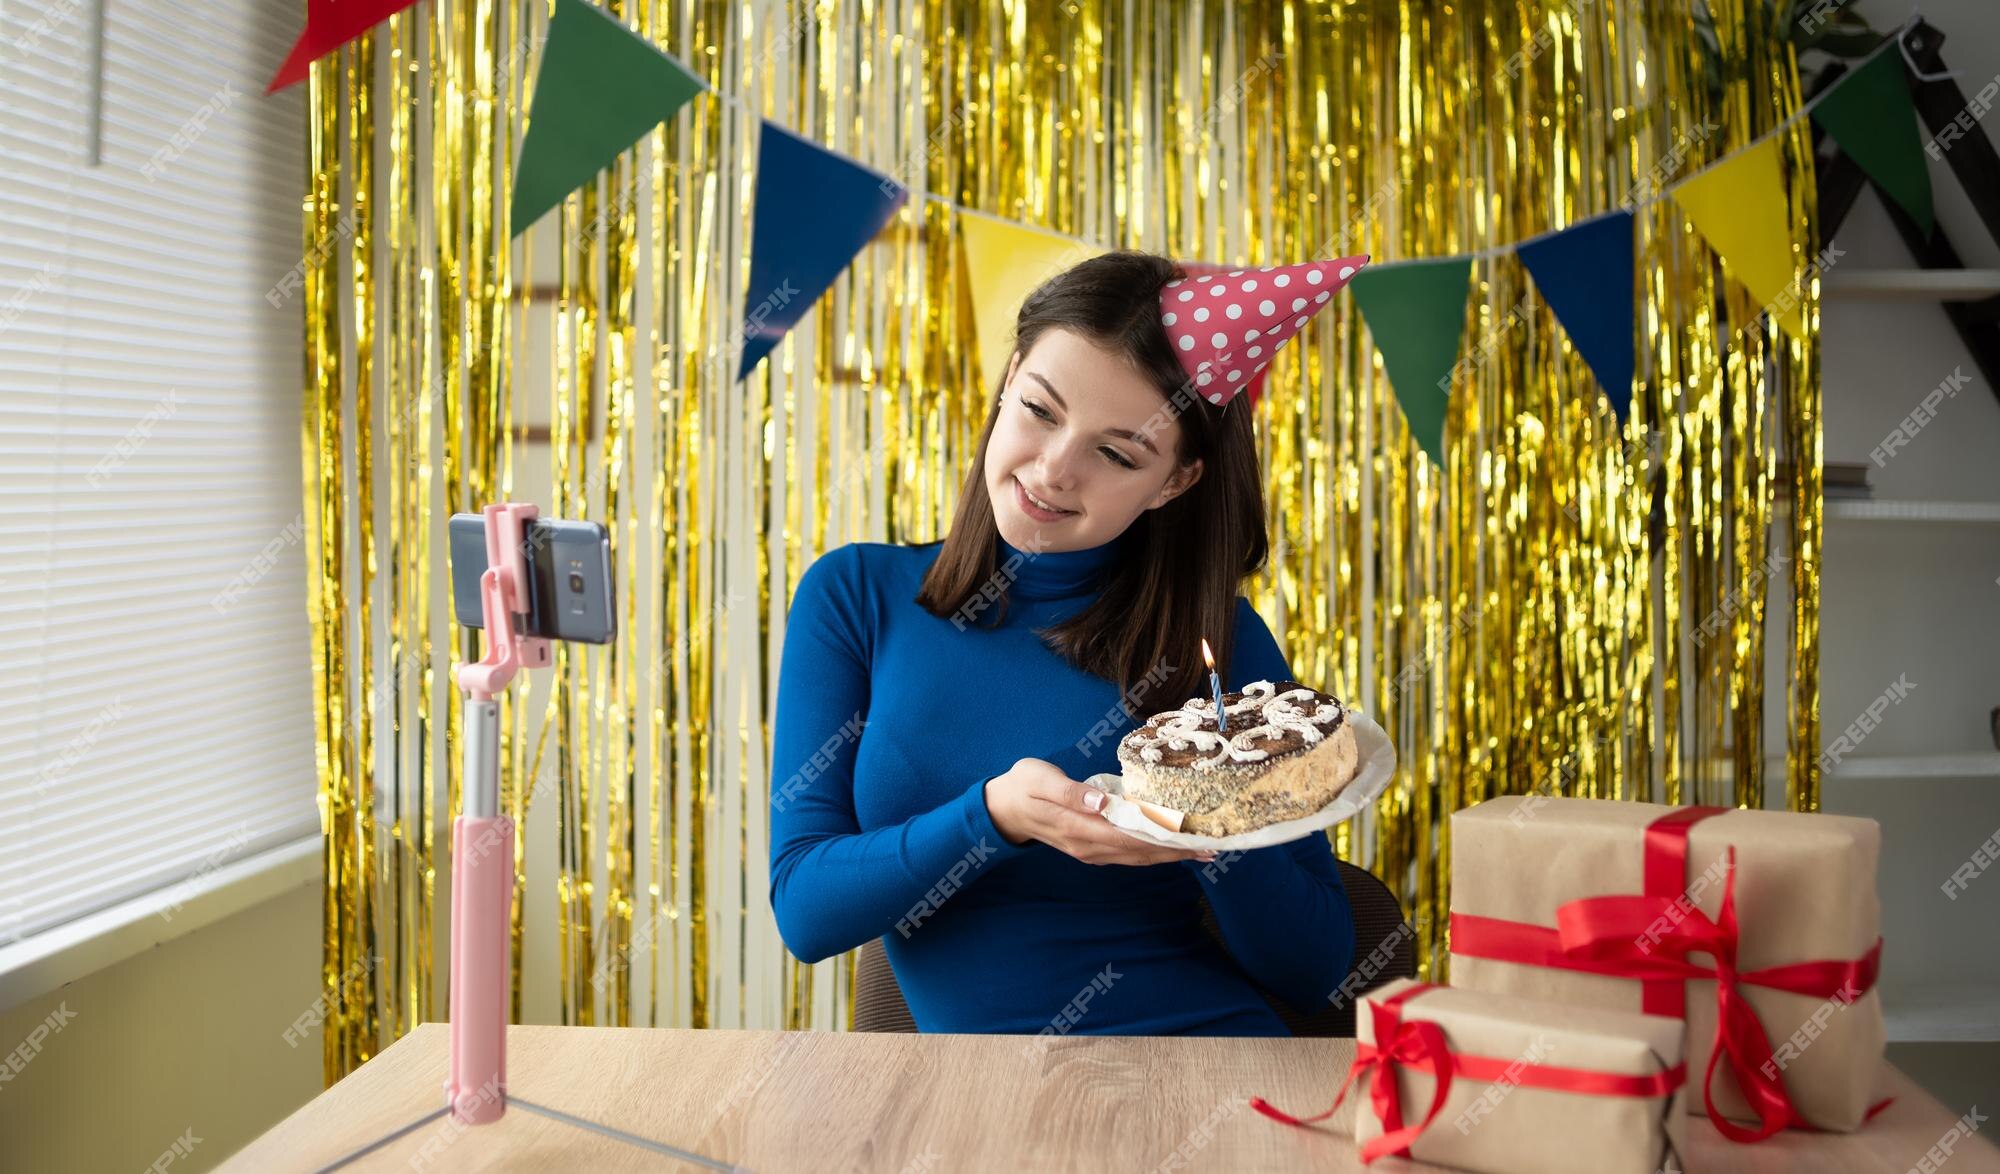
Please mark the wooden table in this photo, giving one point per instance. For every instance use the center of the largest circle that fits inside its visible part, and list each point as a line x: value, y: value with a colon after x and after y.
x: 928, y: 1104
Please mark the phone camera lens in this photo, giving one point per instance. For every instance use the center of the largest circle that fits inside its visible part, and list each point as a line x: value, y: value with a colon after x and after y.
x: 576, y: 582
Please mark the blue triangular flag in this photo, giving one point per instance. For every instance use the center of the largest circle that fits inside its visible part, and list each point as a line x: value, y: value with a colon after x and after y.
x: 1585, y: 273
x: 815, y: 210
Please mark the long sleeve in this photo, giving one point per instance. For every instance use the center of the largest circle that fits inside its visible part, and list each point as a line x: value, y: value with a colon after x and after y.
x: 1282, y: 910
x: 833, y: 886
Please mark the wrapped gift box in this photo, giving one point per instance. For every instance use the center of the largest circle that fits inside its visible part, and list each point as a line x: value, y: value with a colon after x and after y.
x: 1534, y: 1087
x: 1639, y: 907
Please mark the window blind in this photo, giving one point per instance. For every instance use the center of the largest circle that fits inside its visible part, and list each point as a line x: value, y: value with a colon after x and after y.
x: 155, y: 719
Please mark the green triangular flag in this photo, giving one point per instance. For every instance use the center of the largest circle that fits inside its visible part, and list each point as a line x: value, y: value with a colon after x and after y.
x: 1416, y: 313
x: 1870, y: 115
x: 601, y: 86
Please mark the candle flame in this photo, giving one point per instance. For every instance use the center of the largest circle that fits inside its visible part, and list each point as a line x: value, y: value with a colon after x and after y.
x: 1207, y: 655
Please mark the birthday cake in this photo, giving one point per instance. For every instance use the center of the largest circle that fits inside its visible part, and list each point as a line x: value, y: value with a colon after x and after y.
x: 1286, y: 752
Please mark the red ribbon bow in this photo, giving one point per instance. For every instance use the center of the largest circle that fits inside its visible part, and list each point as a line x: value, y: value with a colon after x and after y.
x: 1615, y: 931
x: 1651, y: 938
x: 1423, y: 1046
x: 1420, y: 1045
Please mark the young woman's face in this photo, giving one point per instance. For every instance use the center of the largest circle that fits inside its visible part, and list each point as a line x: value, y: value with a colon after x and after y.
x: 1080, y: 430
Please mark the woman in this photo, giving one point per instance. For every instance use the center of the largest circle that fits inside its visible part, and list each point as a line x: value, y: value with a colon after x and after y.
x: 938, y: 704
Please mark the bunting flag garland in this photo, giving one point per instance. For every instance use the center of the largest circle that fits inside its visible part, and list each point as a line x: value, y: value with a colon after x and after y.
x: 600, y: 87
x: 1869, y: 113
x: 814, y: 211
x: 1585, y: 274
x: 1416, y: 313
x: 1004, y: 262
x: 329, y: 25
x: 1738, y: 206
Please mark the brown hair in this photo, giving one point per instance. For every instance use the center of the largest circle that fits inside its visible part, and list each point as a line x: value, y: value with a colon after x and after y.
x: 1176, y: 579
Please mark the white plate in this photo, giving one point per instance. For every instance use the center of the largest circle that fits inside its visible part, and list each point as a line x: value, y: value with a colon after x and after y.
x: 1376, y: 763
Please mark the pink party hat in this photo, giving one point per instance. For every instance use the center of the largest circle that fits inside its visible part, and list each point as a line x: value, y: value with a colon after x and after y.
x: 1225, y: 324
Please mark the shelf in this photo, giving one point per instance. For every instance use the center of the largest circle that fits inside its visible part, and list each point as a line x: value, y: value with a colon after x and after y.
x: 1947, y: 513
x: 1910, y: 285
x: 1917, y: 766
x: 1942, y: 1013
x: 1974, y: 766
x: 1875, y: 510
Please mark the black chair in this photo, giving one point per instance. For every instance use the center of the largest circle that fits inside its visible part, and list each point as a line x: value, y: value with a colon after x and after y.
x: 1378, y: 925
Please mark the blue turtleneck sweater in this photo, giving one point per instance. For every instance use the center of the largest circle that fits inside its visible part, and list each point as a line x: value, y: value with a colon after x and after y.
x: 889, y: 723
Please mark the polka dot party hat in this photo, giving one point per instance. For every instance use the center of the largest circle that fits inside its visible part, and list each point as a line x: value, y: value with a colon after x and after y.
x: 1226, y: 324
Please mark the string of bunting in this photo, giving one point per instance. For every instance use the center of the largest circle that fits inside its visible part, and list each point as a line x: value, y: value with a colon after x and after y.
x: 601, y: 87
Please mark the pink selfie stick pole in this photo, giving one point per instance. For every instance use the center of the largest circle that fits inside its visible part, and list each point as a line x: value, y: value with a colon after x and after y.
x: 482, y: 839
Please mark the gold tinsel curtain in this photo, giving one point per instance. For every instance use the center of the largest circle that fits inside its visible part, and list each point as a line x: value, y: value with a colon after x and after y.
x: 1530, y: 615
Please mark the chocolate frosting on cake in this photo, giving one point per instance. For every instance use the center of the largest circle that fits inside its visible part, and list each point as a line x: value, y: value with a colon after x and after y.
x: 1288, y: 751
x: 1266, y: 722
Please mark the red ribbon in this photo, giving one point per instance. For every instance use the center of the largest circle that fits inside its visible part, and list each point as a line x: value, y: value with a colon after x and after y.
x: 1650, y: 938
x: 1419, y: 1045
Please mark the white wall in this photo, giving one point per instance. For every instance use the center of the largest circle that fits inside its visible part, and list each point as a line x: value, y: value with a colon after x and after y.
x: 1918, y: 601
x: 188, y: 1036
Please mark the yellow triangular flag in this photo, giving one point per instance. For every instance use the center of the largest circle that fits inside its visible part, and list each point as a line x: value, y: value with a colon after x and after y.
x: 1004, y: 262
x: 1738, y: 206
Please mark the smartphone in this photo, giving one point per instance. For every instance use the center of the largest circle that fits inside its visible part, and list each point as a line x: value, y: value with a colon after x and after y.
x: 569, y: 578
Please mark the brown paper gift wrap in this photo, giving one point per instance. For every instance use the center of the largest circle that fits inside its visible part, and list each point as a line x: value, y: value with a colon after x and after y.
x: 1803, y: 891
x: 1619, y: 1079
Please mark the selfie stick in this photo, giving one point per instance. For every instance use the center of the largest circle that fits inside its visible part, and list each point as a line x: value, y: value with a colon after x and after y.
x: 482, y: 839
x: 482, y: 863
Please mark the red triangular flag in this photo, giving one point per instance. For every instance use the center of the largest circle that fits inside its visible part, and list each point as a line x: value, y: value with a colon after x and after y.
x: 329, y: 25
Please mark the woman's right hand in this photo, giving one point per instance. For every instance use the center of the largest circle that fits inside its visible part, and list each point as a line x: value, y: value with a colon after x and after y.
x: 1035, y: 800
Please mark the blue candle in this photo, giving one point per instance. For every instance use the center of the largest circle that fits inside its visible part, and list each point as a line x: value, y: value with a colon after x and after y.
x: 1215, y: 686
